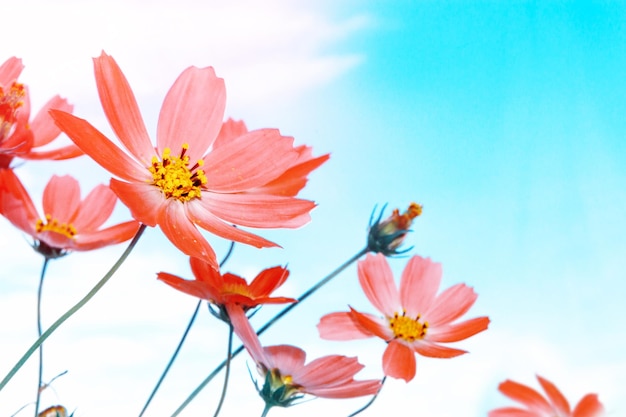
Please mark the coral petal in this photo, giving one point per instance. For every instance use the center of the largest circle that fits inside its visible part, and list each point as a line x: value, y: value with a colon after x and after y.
x: 399, y: 361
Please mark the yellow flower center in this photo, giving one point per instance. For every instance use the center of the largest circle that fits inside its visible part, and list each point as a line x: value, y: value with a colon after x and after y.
x: 10, y: 102
x: 53, y: 225
x: 407, y: 328
x: 239, y: 289
x: 175, y: 178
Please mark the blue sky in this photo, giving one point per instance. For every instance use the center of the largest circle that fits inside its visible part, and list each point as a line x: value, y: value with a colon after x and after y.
x: 505, y: 120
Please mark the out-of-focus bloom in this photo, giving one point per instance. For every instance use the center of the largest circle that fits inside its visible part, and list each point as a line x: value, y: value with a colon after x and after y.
x: 553, y: 404
x: 287, y: 378
x: 18, y: 136
x: 385, y: 237
x: 293, y: 179
x: 230, y: 289
x: 180, y: 184
x: 68, y: 223
x: 54, y: 411
x: 415, y: 318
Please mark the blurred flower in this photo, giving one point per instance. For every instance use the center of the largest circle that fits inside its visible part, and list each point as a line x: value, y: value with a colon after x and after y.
x: 68, y: 223
x: 180, y: 184
x: 18, y: 136
x: 385, y: 237
x: 287, y: 378
x: 415, y: 318
x: 230, y: 289
x: 536, y: 405
x: 54, y: 411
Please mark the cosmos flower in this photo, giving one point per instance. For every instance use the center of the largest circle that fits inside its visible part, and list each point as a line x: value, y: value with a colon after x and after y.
x: 20, y: 137
x: 68, y: 223
x: 286, y: 377
x: 230, y: 289
x: 386, y: 236
x: 553, y: 404
x: 415, y: 319
x: 184, y: 182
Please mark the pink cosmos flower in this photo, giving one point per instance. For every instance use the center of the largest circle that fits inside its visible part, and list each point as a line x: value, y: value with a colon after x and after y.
x: 20, y: 137
x: 185, y: 181
x: 286, y: 377
x: 415, y: 319
x: 68, y: 223
x: 536, y: 405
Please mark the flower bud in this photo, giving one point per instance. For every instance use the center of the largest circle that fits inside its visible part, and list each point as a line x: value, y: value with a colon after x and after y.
x: 386, y: 236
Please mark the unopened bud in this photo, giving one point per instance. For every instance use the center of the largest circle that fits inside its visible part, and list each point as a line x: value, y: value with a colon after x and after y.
x: 386, y: 236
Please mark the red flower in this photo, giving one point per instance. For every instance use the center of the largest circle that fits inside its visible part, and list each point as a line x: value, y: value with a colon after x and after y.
x: 286, y: 377
x: 415, y: 318
x: 19, y: 137
x: 555, y: 405
x: 68, y: 223
x: 230, y: 289
x: 184, y: 182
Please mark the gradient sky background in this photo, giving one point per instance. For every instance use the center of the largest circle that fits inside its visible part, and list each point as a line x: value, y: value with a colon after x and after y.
x: 504, y: 119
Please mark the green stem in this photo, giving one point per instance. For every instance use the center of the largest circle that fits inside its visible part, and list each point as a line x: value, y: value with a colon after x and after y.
x: 182, y: 340
x: 371, y: 401
x: 267, y: 325
x: 227, y: 373
x: 39, y: 292
x: 73, y: 310
x: 266, y: 410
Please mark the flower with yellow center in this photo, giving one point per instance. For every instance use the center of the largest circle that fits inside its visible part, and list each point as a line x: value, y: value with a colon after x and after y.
x: 415, y: 319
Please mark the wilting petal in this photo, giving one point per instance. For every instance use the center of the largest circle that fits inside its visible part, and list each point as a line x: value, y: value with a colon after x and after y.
x: 419, y: 284
x: 120, y: 106
x: 192, y: 112
x: 399, y: 361
x: 377, y: 282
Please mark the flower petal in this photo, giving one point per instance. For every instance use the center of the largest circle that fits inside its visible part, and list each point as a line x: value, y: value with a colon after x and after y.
x: 249, y: 161
x: 247, y: 335
x: 450, y: 305
x: 262, y: 211
x: 61, y: 198
x: 208, y: 221
x: 341, y: 326
x: 65, y: 152
x: 377, y: 326
x: 525, y: 395
x: 10, y: 70
x: 15, y: 203
x: 100, y: 148
x: 459, y: 331
x: 95, y: 209
x: 120, y: 107
x: 109, y: 236
x: 555, y: 396
x: 183, y: 234
x: 399, y: 361
x: 348, y: 390
x: 327, y: 371
x: 433, y: 350
x: 192, y: 112
x: 589, y: 406
x: 419, y: 284
x: 43, y: 127
x: 512, y: 412
x: 268, y: 280
x: 288, y: 359
x: 230, y: 130
x: 378, y: 285
x: 144, y: 201
x: 194, y: 288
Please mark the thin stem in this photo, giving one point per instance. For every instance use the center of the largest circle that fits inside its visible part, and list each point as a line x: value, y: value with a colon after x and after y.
x: 74, y: 309
x: 227, y: 373
x: 266, y: 410
x: 267, y: 325
x: 39, y: 292
x: 371, y: 401
x: 182, y: 340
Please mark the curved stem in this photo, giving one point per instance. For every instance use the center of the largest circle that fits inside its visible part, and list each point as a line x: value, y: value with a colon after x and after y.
x: 39, y: 292
x: 371, y: 401
x: 227, y: 373
x: 266, y: 410
x: 182, y: 340
x: 74, y: 309
x: 267, y: 325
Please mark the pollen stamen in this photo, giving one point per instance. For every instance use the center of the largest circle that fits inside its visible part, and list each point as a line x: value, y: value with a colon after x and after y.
x: 53, y: 225
x: 407, y: 328
x: 174, y: 177
x: 10, y: 102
